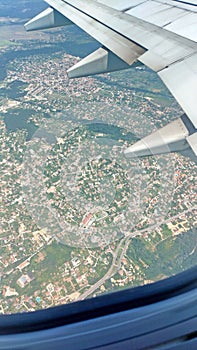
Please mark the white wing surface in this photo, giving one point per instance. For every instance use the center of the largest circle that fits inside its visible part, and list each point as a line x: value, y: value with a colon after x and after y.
x: 161, y: 34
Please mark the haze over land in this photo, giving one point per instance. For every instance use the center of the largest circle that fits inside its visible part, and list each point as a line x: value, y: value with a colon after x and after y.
x: 78, y: 219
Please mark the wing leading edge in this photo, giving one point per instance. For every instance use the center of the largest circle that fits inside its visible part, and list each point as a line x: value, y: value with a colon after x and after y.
x: 155, y: 37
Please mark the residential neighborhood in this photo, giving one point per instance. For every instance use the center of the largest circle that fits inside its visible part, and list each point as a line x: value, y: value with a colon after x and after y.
x: 77, y: 218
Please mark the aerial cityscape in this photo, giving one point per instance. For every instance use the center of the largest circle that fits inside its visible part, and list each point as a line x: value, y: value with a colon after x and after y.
x: 78, y: 219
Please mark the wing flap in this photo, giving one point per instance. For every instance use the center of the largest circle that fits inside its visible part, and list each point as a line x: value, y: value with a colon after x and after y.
x: 181, y: 80
x: 163, y: 15
x: 192, y: 140
x: 124, y: 48
x: 96, y: 18
x: 121, y: 5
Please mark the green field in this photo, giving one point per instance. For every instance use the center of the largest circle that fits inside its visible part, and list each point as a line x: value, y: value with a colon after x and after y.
x: 5, y: 43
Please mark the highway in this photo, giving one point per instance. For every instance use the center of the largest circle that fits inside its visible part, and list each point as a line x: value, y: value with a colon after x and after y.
x: 121, y: 251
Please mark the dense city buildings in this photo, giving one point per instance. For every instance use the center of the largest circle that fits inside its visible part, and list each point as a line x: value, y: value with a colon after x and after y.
x: 77, y: 218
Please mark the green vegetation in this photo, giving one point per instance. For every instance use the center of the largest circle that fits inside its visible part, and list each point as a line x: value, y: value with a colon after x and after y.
x: 139, y: 248
x: 47, y: 94
x: 167, y: 258
x: 4, y: 43
x: 18, y: 119
x: 166, y: 231
x: 56, y: 255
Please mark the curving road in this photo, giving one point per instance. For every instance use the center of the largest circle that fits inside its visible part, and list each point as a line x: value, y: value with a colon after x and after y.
x: 118, y: 254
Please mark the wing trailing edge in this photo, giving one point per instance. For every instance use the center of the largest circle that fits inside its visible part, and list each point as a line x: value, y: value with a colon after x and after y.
x: 192, y: 141
x: 181, y: 80
x: 121, y: 46
x: 126, y: 39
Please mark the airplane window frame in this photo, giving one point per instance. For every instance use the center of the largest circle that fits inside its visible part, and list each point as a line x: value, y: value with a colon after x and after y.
x: 102, y: 305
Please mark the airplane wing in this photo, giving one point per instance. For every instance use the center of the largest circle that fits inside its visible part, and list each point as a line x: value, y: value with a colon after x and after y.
x: 162, y: 34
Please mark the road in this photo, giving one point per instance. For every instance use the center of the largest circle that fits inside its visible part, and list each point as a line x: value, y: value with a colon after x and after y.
x: 118, y: 255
